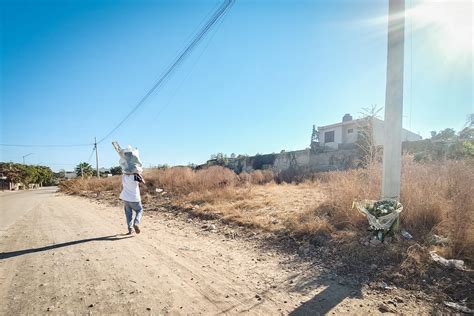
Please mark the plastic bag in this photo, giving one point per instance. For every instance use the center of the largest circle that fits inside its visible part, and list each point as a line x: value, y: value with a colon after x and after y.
x: 384, y: 222
x: 129, y: 159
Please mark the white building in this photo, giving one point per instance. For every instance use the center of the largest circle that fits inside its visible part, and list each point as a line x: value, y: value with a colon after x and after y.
x: 345, y: 132
x: 70, y: 175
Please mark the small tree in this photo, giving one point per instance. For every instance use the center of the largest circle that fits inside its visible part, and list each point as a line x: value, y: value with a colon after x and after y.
x: 468, y: 149
x: 467, y: 133
x: 45, y: 175
x: 368, y: 150
x: 446, y: 134
x: 116, y: 170
x: 84, y: 169
x: 220, y: 158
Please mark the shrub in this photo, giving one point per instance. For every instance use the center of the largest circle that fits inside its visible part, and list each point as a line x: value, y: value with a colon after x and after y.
x: 184, y: 180
x: 91, y: 185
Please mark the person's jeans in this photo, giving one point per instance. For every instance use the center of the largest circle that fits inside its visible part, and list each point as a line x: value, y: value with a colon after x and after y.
x: 135, y: 206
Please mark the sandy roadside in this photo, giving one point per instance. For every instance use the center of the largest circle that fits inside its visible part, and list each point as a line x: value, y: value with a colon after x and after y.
x: 67, y: 256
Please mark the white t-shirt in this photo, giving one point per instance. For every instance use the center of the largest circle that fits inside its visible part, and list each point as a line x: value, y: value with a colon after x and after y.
x: 130, y: 189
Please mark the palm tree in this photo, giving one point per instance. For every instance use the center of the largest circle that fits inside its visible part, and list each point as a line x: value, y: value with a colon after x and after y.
x: 84, y: 169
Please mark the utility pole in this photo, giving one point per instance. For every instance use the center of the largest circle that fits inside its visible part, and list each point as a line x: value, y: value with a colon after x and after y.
x: 26, y: 156
x: 96, y: 157
x: 392, y: 144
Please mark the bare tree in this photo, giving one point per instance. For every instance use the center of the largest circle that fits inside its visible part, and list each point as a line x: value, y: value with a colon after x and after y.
x: 369, y: 152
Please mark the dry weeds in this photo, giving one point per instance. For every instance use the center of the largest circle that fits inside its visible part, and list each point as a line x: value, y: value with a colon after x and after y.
x: 438, y: 197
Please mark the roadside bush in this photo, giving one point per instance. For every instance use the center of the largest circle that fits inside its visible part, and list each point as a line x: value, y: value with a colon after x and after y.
x: 184, y: 180
x: 293, y: 175
x: 342, y: 188
x: 26, y: 174
x: 84, y: 186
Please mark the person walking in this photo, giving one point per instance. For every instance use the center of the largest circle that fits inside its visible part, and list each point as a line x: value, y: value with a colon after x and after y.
x: 130, y: 196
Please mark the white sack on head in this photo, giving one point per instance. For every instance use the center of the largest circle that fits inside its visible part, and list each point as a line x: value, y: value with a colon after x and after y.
x: 129, y: 159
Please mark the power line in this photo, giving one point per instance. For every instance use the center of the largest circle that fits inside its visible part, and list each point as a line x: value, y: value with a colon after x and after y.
x: 178, y: 88
x: 219, y: 13
x: 199, y: 36
x: 62, y: 145
x: 90, y: 156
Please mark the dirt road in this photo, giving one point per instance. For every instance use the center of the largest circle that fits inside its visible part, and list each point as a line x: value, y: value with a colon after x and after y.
x: 66, y: 255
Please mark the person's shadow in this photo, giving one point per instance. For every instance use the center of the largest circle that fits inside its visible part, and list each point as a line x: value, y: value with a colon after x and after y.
x: 6, y: 255
x: 323, y: 302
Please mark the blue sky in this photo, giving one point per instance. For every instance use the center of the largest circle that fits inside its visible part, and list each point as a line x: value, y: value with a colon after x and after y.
x: 71, y: 70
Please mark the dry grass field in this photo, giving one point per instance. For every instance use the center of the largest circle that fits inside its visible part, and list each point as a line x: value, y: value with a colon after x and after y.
x: 438, y: 198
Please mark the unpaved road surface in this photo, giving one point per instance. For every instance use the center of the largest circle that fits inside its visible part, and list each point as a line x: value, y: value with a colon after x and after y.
x: 66, y: 255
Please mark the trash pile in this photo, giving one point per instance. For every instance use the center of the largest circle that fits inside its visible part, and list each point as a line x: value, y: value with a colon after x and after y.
x: 129, y: 159
x: 383, y: 215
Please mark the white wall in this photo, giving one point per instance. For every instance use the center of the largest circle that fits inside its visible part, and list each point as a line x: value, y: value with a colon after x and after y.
x: 70, y: 175
x: 379, y: 132
x: 337, y: 136
x: 410, y: 136
x: 349, y: 138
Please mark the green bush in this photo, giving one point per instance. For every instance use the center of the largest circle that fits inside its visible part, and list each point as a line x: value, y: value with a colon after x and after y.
x: 26, y: 174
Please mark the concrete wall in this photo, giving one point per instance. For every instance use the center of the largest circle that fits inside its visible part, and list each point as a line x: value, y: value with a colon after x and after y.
x: 349, y: 138
x: 379, y: 132
x: 333, y: 160
x: 71, y: 174
x: 286, y: 160
x: 323, y: 159
x: 316, y: 161
x: 409, y: 136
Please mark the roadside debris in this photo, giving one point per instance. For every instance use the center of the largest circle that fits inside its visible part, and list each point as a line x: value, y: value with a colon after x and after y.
x: 385, y: 286
x: 439, y: 240
x: 383, y: 308
x: 459, y: 307
x: 406, y: 234
x: 209, y: 227
x: 450, y: 263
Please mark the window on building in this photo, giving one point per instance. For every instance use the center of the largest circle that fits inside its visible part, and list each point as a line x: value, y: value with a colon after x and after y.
x: 350, y: 131
x: 329, y: 137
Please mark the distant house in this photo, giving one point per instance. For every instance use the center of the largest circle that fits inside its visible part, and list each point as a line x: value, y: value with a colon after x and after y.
x: 7, y: 184
x: 105, y: 172
x: 70, y: 174
x: 345, y: 133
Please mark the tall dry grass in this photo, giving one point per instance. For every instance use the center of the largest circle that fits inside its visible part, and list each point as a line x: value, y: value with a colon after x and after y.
x: 184, y: 180
x: 84, y: 186
x: 438, y: 197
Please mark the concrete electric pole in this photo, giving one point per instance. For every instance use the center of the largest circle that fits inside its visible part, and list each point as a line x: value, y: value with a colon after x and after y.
x: 26, y: 156
x: 392, y: 144
x: 96, y: 157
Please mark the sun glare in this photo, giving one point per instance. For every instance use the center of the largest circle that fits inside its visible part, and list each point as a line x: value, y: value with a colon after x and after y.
x: 449, y: 23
